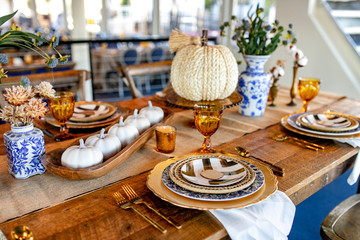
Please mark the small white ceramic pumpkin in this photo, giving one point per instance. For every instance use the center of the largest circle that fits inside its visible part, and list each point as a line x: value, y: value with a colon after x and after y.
x: 108, y: 144
x: 152, y: 113
x: 126, y: 133
x: 201, y: 72
x: 81, y: 156
x: 140, y: 122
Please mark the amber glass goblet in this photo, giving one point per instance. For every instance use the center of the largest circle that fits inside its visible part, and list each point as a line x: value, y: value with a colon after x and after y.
x: 207, y: 121
x: 62, y: 108
x: 308, y: 88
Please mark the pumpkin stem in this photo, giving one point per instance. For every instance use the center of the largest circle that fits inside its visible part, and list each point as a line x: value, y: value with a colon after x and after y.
x: 82, y: 144
x: 102, y: 133
x: 204, y: 38
x: 150, y: 104
x: 179, y: 40
x: 121, y: 122
x: 135, y: 113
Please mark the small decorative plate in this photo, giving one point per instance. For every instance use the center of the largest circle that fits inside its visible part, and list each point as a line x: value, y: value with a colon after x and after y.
x: 290, y: 123
x: 92, y: 111
x: 328, y: 122
x: 213, y: 171
x: 177, y: 177
x: 213, y: 193
x: 155, y: 184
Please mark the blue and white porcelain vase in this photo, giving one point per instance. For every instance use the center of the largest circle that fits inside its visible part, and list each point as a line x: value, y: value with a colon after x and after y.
x: 254, y: 85
x: 24, y: 147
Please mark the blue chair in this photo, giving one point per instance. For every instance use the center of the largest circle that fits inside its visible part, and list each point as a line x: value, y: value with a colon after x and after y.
x: 129, y: 56
x: 156, y: 54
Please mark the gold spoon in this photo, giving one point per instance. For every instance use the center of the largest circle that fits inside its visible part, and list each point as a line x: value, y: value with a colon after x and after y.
x: 246, y: 154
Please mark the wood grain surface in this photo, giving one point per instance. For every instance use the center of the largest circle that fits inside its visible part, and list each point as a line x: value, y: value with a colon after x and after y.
x: 94, y: 214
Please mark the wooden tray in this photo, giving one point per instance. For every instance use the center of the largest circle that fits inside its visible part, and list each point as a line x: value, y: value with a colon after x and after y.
x: 52, y: 160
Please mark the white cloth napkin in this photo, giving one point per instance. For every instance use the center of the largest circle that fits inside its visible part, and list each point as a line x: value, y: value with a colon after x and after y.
x: 269, y: 219
x: 2, y: 236
x: 354, y: 175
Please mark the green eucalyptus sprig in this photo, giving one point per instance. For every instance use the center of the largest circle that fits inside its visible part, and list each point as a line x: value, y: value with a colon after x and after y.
x: 15, y: 37
x: 254, y: 36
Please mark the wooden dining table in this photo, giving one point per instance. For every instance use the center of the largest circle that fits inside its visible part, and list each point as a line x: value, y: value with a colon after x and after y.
x: 57, y: 208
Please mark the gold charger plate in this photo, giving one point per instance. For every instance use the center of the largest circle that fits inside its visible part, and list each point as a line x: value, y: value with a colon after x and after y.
x: 92, y: 111
x: 121, y: 111
x: 176, y: 175
x: 328, y: 122
x: 154, y: 183
x: 174, y: 100
x: 324, y: 135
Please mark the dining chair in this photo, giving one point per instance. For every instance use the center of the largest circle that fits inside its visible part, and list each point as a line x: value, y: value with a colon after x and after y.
x: 343, y: 222
x: 156, y: 54
x: 131, y: 71
x: 129, y: 56
x: 70, y: 80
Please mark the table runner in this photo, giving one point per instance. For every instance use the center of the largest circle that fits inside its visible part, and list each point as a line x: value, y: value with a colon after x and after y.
x: 18, y: 197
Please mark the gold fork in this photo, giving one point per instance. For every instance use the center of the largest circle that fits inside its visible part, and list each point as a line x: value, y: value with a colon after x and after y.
x: 134, y: 198
x: 124, y: 204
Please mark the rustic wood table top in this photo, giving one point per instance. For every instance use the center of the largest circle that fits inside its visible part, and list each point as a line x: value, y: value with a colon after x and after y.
x: 93, y: 214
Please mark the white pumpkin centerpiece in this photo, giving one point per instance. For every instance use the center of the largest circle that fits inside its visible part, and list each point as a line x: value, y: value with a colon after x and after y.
x: 152, y: 113
x: 139, y: 121
x: 202, y: 72
x: 81, y: 156
x: 126, y: 133
x: 108, y: 144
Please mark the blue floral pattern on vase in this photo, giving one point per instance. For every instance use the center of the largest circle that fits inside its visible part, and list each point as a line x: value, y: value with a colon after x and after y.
x: 24, y: 148
x: 254, y: 86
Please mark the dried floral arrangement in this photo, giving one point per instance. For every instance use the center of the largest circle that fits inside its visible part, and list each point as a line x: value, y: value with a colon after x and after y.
x: 254, y: 36
x: 15, y: 37
x: 25, y: 102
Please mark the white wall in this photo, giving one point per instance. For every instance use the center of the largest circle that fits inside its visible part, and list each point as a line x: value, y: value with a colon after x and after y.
x: 323, y: 61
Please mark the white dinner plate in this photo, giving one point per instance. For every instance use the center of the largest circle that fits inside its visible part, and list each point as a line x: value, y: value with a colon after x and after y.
x: 292, y: 121
x: 213, y: 171
x: 328, y: 122
x: 254, y: 187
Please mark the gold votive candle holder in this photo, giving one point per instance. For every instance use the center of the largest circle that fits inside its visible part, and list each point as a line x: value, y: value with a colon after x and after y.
x: 165, y: 138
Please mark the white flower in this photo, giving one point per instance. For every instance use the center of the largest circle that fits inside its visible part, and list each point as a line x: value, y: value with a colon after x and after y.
x: 278, y: 72
x: 302, y: 62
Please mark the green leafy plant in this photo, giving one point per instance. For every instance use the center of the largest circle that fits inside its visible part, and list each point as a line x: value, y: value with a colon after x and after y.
x: 254, y: 36
x: 15, y: 37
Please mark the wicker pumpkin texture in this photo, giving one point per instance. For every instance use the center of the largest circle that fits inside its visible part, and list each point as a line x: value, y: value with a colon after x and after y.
x: 201, y: 72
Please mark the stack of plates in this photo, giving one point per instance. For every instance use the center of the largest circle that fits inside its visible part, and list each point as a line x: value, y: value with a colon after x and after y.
x: 90, y: 115
x: 328, y: 125
x: 211, y: 181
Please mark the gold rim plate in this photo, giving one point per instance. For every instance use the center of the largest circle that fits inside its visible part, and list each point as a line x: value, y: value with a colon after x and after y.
x: 155, y: 184
x: 323, y: 135
x: 92, y: 111
x: 328, y: 122
x: 121, y: 111
x: 177, y: 178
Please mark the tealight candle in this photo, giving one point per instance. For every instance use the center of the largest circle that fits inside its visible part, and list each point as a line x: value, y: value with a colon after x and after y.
x: 165, y: 138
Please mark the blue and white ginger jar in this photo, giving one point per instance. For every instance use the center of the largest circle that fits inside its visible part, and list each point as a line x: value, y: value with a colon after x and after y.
x: 24, y: 147
x: 254, y: 85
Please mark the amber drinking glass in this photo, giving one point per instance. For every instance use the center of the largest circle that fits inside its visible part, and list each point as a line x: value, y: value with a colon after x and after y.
x: 62, y: 108
x: 308, y: 88
x: 207, y: 121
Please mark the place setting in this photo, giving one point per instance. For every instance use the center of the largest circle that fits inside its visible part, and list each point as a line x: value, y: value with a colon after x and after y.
x: 86, y: 115
x: 208, y: 179
x: 319, y: 124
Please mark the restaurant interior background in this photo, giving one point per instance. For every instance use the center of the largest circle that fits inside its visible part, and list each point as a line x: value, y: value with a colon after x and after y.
x: 327, y: 32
